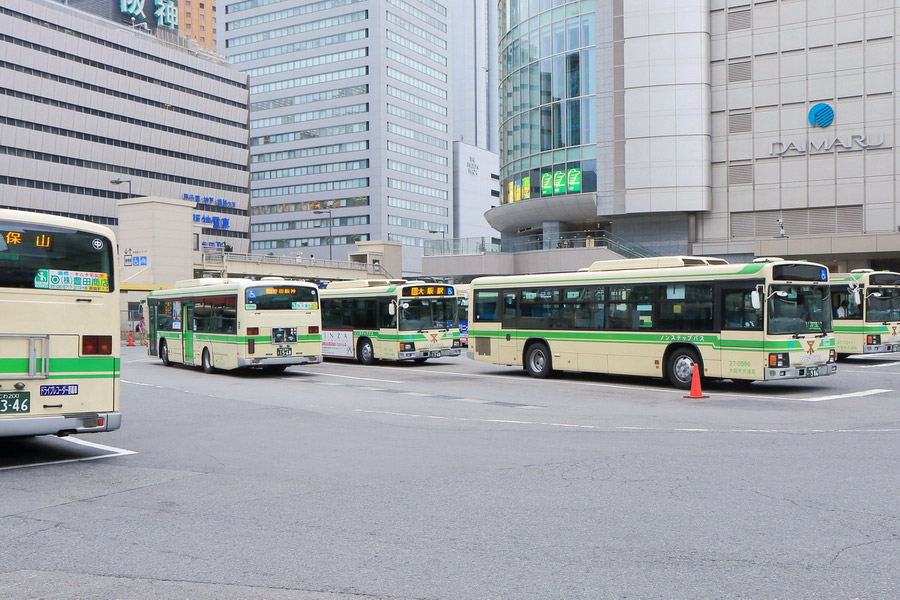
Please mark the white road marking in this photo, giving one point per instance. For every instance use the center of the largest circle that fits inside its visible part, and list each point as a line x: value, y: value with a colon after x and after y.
x: 114, y: 452
x: 848, y: 395
x: 620, y: 428
x: 890, y: 364
x: 348, y: 377
x: 419, y: 394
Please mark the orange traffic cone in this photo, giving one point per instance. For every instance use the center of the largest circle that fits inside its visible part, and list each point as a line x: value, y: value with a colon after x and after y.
x: 696, y: 392
x: 130, y: 339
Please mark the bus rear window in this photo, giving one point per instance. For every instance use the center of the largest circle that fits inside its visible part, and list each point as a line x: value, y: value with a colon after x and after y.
x: 53, y: 258
x: 282, y: 297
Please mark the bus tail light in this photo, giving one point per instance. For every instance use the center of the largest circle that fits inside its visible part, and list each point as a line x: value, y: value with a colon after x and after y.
x: 780, y: 359
x: 314, y: 329
x: 407, y: 346
x: 253, y: 331
x: 251, y: 346
x: 873, y: 340
x: 96, y: 344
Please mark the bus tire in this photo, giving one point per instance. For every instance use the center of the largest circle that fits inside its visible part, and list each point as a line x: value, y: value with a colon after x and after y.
x: 164, y: 353
x: 206, y: 362
x: 365, y: 352
x: 680, y: 367
x: 421, y: 360
x: 538, y: 362
x: 274, y: 368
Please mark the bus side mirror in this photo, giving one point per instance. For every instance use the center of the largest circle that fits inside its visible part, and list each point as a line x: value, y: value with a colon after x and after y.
x: 392, y: 310
x: 856, y: 296
x: 754, y: 299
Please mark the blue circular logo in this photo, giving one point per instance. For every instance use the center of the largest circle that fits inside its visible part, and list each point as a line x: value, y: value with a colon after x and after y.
x: 821, y: 115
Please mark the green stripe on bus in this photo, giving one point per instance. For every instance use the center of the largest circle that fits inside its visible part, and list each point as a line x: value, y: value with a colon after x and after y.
x: 68, y: 365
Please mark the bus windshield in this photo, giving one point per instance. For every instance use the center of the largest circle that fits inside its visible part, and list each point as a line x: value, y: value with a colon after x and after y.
x: 799, y: 309
x: 885, y: 306
x: 282, y: 296
x: 51, y: 258
x: 428, y: 313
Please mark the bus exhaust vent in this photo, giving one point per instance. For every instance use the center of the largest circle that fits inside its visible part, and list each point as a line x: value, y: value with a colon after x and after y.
x: 363, y: 283
x: 483, y: 346
x: 185, y: 283
x: 655, y: 262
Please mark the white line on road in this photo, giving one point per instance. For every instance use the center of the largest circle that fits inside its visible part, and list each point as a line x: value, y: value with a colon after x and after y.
x: 347, y: 377
x: 890, y: 364
x: 114, y: 452
x: 840, y: 396
x: 620, y: 428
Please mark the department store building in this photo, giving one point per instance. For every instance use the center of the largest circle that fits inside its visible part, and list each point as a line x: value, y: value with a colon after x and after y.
x: 708, y: 127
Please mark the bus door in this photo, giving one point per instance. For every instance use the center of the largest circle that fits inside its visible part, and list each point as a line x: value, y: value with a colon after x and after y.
x: 152, y: 331
x: 508, y: 344
x: 187, y: 324
x: 741, y: 341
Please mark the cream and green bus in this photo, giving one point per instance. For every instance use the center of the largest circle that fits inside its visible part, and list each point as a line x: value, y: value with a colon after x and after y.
x: 381, y: 319
x: 266, y: 324
x: 866, y: 311
x: 658, y: 317
x: 59, y: 326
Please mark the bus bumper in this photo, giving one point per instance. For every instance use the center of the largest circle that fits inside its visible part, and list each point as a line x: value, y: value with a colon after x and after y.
x: 265, y: 361
x: 879, y: 348
x: 436, y: 353
x: 60, y: 424
x: 803, y: 372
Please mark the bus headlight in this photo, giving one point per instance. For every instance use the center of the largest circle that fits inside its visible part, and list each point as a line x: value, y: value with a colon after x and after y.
x: 407, y: 346
x: 873, y: 340
x: 832, y: 355
x: 456, y: 343
x: 779, y: 359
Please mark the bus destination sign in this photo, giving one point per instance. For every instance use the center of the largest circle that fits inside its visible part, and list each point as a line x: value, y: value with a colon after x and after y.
x: 414, y: 291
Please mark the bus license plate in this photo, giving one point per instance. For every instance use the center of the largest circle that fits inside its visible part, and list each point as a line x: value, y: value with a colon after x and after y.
x: 434, y: 354
x: 15, y: 402
x: 812, y: 371
x: 283, y: 351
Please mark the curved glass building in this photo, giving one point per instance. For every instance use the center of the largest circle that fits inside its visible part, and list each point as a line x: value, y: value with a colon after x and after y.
x: 592, y: 93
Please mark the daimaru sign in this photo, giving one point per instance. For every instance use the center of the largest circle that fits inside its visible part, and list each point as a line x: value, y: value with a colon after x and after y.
x: 821, y: 116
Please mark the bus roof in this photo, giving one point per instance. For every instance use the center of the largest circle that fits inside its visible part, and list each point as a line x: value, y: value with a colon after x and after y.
x: 363, y: 283
x: 885, y: 278
x: 654, y: 262
x: 39, y: 218
x: 644, y: 270
x: 222, y: 284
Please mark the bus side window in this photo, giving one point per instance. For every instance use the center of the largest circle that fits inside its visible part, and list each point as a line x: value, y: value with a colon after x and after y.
x: 486, y: 305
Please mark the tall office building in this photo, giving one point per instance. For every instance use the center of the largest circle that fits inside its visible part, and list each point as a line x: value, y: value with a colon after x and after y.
x: 695, y: 126
x: 198, y: 21
x: 92, y: 111
x: 350, y: 122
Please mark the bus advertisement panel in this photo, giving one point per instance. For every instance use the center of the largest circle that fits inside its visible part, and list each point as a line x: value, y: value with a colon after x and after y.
x: 379, y: 319
x: 866, y: 311
x: 235, y: 323
x: 59, y: 326
x: 659, y: 317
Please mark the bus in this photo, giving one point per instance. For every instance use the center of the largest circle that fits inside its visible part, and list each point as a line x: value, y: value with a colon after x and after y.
x: 658, y: 317
x: 382, y: 319
x: 235, y: 323
x: 866, y: 311
x: 59, y: 326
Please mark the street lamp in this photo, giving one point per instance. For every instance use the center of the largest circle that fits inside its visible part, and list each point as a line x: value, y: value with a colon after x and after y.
x: 330, y: 239
x: 120, y: 182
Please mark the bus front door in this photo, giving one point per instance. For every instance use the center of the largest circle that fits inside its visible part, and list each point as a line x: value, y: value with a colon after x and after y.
x: 187, y: 324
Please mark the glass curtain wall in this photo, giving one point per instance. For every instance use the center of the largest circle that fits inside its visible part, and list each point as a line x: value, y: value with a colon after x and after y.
x: 548, y: 99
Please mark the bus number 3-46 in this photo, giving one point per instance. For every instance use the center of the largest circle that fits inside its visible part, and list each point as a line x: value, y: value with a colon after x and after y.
x: 16, y: 405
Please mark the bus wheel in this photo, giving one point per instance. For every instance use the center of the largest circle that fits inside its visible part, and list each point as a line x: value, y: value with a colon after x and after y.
x: 275, y: 368
x: 680, y: 368
x: 164, y: 353
x: 365, y: 353
x: 206, y: 362
x: 538, y: 361
x: 420, y: 360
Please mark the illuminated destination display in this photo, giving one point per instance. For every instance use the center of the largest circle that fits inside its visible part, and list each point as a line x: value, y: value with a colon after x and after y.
x: 428, y: 290
x: 27, y: 239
